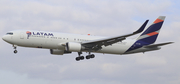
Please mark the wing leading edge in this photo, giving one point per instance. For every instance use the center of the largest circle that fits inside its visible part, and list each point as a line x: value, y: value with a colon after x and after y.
x: 95, y: 45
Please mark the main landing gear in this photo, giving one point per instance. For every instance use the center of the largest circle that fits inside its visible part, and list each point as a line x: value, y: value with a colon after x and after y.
x: 90, y: 56
x: 79, y: 57
x: 82, y: 57
x: 15, y: 51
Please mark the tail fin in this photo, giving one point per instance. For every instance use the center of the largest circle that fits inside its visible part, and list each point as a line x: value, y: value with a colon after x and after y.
x: 150, y: 35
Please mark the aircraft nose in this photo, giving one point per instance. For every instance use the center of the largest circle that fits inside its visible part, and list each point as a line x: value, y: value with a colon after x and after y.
x: 3, y: 38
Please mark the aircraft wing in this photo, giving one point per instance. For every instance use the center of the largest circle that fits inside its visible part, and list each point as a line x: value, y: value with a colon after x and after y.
x: 156, y: 45
x: 97, y: 44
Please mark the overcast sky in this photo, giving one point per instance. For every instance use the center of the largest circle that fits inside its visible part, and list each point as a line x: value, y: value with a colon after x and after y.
x: 97, y: 17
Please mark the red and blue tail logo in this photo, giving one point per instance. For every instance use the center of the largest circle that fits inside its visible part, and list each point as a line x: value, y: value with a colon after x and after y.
x: 150, y: 35
x: 28, y: 34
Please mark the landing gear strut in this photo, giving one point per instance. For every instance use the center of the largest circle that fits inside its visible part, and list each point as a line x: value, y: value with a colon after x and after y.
x: 15, y: 51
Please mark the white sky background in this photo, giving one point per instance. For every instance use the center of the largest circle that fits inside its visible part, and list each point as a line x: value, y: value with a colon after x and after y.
x: 97, y: 17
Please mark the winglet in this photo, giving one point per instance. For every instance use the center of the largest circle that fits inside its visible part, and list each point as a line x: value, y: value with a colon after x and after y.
x: 141, y: 28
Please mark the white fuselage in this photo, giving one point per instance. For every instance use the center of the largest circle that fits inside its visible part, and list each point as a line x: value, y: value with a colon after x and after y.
x: 52, y: 40
x: 63, y: 43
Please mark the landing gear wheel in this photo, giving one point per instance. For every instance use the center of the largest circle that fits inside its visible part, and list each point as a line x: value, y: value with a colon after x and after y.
x: 88, y: 57
x: 92, y: 56
x: 81, y: 57
x: 15, y: 51
x: 78, y: 58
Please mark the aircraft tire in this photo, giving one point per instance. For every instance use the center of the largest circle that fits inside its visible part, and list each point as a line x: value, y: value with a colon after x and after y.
x: 88, y: 57
x: 78, y: 58
x: 92, y: 56
x: 82, y: 57
x: 15, y: 51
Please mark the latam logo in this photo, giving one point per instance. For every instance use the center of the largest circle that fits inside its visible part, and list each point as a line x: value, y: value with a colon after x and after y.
x: 38, y: 34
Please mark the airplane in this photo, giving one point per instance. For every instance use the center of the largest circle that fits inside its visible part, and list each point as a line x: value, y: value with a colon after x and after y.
x: 63, y: 43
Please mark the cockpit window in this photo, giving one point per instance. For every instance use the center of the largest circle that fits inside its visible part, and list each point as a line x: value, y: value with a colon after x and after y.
x: 9, y: 33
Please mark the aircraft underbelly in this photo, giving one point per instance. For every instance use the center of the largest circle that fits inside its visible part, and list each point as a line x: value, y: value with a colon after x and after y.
x: 113, y: 50
x: 116, y: 48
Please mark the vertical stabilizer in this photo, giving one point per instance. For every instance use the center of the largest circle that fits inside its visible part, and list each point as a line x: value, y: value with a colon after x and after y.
x: 150, y: 35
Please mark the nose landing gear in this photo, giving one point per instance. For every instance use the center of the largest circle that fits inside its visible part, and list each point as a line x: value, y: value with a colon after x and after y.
x: 15, y: 51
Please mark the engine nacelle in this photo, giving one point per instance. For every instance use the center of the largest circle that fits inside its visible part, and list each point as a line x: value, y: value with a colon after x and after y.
x: 73, y: 46
x: 58, y: 52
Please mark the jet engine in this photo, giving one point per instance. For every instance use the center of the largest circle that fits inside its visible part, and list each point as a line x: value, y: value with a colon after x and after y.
x: 73, y: 46
x: 58, y: 52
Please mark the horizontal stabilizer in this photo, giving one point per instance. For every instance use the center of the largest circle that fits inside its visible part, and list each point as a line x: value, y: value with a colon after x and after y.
x: 156, y: 45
